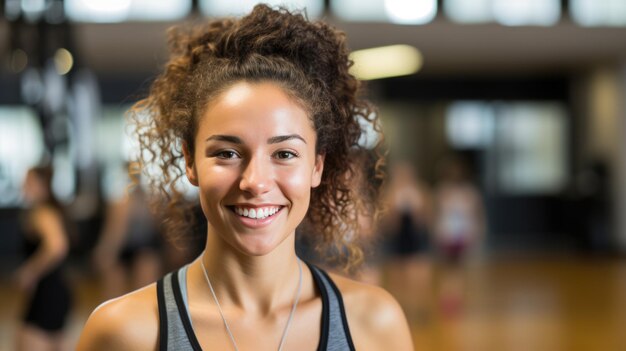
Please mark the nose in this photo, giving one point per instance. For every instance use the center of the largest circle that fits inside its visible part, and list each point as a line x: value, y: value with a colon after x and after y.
x: 256, y: 176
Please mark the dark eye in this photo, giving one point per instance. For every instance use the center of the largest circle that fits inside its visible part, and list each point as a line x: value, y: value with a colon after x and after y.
x: 285, y: 155
x: 226, y: 154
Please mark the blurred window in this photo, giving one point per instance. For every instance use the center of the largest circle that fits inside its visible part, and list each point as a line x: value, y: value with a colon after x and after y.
x: 598, y: 13
x: 220, y: 8
x: 111, y: 136
x: 527, y: 12
x: 469, y: 124
x: 12, y: 9
x: 530, y: 148
x: 525, y: 143
x: 506, y: 12
x: 469, y: 11
x: 64, y: 165
x: 110, y: 11
x: 394, y: 11
x: 21, y: 147
x: 116, y: 146
x: 370, y: 136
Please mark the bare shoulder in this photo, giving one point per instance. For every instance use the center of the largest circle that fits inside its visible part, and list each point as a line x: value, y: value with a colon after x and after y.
x: 375, y: 318
x: 129, y: 322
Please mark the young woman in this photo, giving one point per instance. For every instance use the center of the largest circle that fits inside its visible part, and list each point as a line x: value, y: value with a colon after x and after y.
x: 40, y: 277
x: 263, y: 112
x: 127, y: 255
x: 408, y: 225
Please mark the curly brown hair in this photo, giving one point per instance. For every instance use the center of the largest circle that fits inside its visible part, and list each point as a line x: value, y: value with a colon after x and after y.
x: 309, y: 60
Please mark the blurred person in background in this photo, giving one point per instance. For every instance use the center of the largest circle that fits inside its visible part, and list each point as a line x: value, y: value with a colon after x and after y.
x: 459, y: 227
x: 407, y: 227
x: 41, y: 277
x: 127, y: 255
x: 259, y: 113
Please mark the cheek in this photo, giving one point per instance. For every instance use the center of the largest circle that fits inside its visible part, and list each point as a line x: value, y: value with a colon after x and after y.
x: 297, y: 184
x: 214, y: 183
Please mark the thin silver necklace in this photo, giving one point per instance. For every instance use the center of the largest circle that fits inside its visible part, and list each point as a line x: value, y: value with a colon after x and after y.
x: 293, y: 308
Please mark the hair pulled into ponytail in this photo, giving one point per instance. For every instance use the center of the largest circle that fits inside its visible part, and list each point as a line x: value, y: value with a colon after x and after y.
x: 309, y: 60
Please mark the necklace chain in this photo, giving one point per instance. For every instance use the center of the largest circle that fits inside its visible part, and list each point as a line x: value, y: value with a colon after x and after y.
x: 289, y: 320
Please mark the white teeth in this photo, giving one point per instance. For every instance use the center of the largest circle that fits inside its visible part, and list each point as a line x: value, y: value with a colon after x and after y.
x: 258, y: 213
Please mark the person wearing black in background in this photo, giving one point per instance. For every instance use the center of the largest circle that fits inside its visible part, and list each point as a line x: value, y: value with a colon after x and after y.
x: 40, y: 277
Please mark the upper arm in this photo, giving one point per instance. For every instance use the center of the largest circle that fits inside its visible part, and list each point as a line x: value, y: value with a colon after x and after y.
x: 127, y: 323
x: 49, y: 224
x: 388, y: 325
x: 98, y: 333
x: 117, y: 217
x: 375, y: 319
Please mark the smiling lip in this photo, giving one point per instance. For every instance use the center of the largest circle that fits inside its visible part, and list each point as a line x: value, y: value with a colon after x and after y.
x: 256, y: 222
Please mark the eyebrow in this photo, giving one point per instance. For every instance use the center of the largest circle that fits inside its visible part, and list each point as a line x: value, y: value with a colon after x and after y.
x: 273, y: 140
x: 228, y: 138
x: 281, y: 138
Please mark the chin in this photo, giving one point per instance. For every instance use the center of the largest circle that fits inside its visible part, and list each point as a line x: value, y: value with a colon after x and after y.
x: 257, y: 252
x: 258, y: 246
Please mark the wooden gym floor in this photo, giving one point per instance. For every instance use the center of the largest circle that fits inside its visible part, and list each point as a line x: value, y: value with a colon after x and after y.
x: 514, y: 303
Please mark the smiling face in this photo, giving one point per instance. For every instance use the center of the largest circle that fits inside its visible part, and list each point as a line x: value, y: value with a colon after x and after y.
x: 254, y: 164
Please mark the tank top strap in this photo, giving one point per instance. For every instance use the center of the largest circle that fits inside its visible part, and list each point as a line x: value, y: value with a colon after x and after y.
x: 176, y: 331
x: 335, y: 333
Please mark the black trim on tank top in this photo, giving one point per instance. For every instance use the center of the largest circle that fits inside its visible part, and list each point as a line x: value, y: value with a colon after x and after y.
x: 162, y: 316
x: 342, y: 310
x: 323, y: 343
x: 185, y: 318
x: 182, y: 310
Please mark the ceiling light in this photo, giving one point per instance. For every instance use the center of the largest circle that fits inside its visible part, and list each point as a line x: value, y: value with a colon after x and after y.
x: 385, y: 62
x: 411, y: 11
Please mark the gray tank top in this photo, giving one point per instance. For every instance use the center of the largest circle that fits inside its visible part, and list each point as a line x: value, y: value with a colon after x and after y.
x: 176, y: 330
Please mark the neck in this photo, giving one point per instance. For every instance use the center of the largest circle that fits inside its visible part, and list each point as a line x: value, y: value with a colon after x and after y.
x: 256, y: 284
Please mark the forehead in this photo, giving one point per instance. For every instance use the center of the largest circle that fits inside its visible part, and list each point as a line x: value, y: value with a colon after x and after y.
x: 255, y: 108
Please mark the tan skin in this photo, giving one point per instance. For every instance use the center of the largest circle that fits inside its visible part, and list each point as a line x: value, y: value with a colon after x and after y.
x: 252, y: 267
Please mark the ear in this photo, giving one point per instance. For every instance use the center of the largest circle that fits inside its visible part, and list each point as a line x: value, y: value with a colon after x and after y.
x: 190, y: 166
x: 318, y: 169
